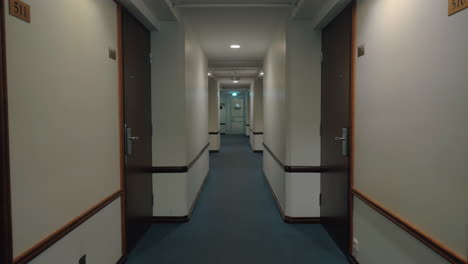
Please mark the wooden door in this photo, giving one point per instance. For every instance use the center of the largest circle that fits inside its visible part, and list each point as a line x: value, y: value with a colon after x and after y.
x: 138, y: 129
x: 336, y: 84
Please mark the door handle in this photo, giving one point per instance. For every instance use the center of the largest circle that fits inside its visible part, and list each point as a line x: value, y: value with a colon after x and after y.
x: 129, y: 140
x: 344, y: 141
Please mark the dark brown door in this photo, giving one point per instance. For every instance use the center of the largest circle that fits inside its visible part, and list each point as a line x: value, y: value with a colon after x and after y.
x: 137, y: 107
x: 336, y: 52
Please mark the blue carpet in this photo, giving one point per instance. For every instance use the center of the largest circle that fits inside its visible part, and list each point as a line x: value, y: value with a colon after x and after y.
x: 236, y: 221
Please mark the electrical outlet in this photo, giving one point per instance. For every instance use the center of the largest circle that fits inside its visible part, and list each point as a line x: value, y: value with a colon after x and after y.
x: 355, y: 246
x: 82, y: 260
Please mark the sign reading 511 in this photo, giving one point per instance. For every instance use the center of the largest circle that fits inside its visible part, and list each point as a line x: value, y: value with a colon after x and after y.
x: 455, y: 6
x: 20, y: 10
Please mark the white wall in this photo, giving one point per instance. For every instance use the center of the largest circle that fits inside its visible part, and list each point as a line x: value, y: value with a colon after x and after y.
x: 214, y: 117
x: 64, y: 118
x: 256, y: 114
x: 291, y: 116
x: 381, y: 241
x: 411, y: 144
x: 168, y: 93
x: 274, y: 95
x: 303, y: 81
x: 99, y: 238
x: 196, y: 94
x: 180, y: 116
x: 257, y: 105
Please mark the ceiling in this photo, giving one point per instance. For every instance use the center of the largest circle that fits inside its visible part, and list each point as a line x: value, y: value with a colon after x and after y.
x: 219, y: 27
x: 249, y: 23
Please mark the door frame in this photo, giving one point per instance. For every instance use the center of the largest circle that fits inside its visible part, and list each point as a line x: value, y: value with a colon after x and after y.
x: 6, y: 242
x: 123, y: 204
x: 352, y: 101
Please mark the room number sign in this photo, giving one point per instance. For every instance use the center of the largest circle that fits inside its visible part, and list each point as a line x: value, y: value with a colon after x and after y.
x: 455, y: 6
x: 20, y: 10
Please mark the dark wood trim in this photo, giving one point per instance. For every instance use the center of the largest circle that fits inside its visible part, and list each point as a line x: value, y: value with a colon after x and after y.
x: 265, y: 146
x: 121, y: 127
x: 222, y: 124
x: 180, y: 169
x: 258, y: 151
x: 190, y: 165
x: 352, y: 96
x: 304, y: 169
x: 214, y: 151
x: 256, y: 133
x: 213, y: 133
x: 429, y: 241
x: 302, y: 220
x: 185, y: 218
x: 247, y: 125
x: 170, y: 219
x: 6, y: 242
x: 122, y: 260
x: 65, y: 230
x: 295, y: 169
x: 290, y: 219
x: 170, y: 169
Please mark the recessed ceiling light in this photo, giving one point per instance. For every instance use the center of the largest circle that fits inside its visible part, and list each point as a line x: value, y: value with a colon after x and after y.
x: 209, y: 74
x: 235, y: 46
x: 234, y: 94
x: 235, y: 81
x: 261, y: 73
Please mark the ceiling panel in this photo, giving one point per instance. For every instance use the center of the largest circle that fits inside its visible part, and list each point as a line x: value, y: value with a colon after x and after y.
x: 252, y: 28
x: 179, y: 2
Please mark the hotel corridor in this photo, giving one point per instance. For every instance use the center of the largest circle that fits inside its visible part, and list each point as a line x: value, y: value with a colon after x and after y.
x: 236, y: 221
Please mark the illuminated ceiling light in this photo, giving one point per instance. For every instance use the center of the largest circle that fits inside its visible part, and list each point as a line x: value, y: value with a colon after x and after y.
x: 235, y: 46
x: 262, y: 73
x: 235, y: 81
x: 209, y: 74
x: 234, y: 94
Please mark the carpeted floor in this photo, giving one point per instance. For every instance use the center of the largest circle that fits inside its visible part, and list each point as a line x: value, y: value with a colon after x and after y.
x: 236, y: 221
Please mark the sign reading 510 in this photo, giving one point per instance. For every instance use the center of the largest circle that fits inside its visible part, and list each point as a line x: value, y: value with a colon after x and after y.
x: 455, y: 6
x: 20, y: 10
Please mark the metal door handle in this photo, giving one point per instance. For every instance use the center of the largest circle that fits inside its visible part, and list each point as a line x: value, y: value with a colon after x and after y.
x: 130, y: 139
x: 344, y: 141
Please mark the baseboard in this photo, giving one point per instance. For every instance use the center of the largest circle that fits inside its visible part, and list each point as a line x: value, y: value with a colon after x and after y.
x: 258, y: 151
x: 170, y: 219
x: 122, y: 260
x: 302, y: 220
x: 290, y: 219
x: 214, y: 151
x: 185, y: 218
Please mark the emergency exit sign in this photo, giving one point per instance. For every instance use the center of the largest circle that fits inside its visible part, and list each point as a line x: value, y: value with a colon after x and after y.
x: 455, y: 6
x: 20, y: 10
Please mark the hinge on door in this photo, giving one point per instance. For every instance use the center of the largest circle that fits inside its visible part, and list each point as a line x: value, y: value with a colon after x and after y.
x: 320, y: 129
x: 151, y: 58
x: 152, y: 199
x: 321, y: 57
x: 320, y: 199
